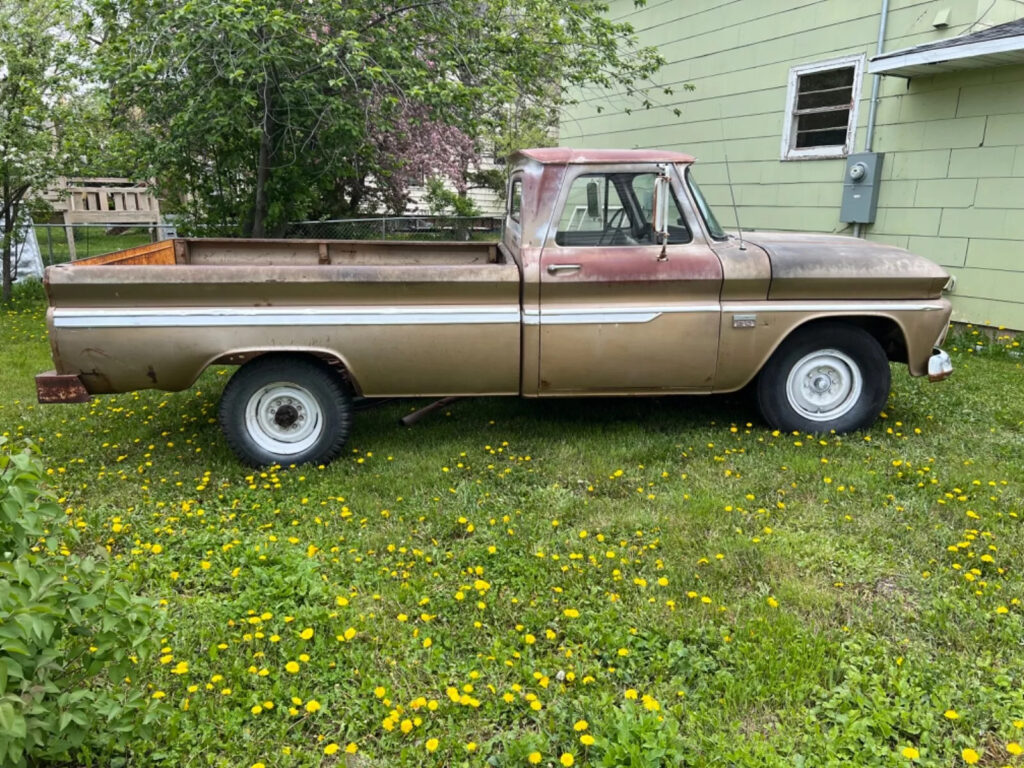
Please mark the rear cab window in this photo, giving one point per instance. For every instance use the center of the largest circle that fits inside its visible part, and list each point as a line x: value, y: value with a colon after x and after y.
x: 515, y: 199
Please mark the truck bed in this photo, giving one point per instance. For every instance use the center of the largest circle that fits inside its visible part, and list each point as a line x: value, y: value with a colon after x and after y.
x: 156, y: 316
x: 241, y: 251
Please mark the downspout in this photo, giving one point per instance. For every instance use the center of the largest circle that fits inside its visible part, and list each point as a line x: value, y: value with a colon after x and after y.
x: 875, y: 85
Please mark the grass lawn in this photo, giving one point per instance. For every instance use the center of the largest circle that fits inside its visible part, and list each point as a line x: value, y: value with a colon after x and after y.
x: 615, y: 582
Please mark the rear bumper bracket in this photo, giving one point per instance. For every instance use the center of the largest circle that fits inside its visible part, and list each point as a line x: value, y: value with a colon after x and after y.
x: 53, y: 387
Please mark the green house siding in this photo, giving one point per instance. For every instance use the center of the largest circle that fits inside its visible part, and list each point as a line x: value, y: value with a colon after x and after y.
x: 953, y: 176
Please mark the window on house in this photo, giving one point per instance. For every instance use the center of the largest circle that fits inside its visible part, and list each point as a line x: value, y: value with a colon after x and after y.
x: 821, y: 109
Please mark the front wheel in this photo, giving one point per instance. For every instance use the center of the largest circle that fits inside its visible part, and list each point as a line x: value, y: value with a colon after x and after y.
x: 825, y: 377
x: 286, y: 409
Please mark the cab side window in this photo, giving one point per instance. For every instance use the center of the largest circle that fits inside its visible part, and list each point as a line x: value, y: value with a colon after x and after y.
x: 614, y: 209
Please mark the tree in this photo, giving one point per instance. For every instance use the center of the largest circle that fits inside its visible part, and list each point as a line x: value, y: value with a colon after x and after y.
x: 255, y: 112
x: 38, y: 66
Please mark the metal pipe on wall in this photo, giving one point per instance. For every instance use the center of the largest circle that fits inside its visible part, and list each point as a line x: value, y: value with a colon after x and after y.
x: 876, y: 84
x: 869, y: 139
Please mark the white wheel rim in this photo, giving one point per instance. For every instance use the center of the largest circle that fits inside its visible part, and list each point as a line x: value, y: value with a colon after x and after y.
x: 284, y: 418
x: 824, y: 385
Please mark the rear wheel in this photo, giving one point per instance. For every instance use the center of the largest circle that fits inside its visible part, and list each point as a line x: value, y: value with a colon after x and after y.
x: 825, y: 377
x: 286, y: 409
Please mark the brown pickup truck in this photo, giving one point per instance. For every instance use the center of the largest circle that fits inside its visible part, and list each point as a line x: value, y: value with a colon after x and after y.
x: 612, y: 278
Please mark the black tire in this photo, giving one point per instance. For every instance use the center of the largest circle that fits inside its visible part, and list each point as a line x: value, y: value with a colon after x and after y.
x: 838, y: 369
x: 286, y: 409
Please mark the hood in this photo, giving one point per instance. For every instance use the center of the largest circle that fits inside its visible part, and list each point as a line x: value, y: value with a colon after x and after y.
x: 806, y: 266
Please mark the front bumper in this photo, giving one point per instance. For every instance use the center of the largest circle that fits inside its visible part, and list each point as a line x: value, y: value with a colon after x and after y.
x: 53, y: 387
x: 939, y: 365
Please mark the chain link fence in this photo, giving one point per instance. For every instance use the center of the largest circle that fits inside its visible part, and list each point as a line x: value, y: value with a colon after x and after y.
x: 55, y: 240
x: 59, y: 243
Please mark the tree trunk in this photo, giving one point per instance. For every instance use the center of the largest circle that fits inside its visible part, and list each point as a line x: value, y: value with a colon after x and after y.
x: 259, y: 219
x: 8, y: 240
x: 5, y: 296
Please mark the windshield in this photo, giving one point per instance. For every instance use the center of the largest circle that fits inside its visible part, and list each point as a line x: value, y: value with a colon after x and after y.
x: 714, y: 228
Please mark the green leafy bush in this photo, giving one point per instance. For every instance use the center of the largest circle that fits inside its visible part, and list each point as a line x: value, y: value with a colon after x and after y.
x: 71, y: 635
x: 636, y: 738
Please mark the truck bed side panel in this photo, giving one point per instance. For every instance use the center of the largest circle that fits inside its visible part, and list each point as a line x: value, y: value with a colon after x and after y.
x: 399, y: 330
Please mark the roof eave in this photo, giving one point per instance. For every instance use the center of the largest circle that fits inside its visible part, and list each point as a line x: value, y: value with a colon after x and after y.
x: 911, y: 62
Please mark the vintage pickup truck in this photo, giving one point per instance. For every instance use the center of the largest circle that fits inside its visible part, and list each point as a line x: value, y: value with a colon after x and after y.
x: 612, y: 278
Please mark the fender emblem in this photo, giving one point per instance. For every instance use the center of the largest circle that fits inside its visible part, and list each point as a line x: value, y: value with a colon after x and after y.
x: 744, y: 321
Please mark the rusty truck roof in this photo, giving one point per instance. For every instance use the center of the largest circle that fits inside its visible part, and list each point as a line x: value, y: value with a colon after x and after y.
x: 569, y: 155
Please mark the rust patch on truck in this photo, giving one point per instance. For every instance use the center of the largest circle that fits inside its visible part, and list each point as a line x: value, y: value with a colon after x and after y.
x: 52, y: 387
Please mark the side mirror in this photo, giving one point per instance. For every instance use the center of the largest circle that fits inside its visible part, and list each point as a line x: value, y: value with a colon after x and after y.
x: 593, y: 203
x: 662, y: 195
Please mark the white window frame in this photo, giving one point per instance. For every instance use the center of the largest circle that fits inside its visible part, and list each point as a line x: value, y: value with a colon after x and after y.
x: 789, y: 152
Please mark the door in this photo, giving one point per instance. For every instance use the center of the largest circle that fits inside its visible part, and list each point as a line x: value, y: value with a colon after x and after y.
x: 618, y: 311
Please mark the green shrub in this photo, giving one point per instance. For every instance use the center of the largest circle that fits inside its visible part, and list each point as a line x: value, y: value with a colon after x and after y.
x: 71, y: 635
x: 635, y: 738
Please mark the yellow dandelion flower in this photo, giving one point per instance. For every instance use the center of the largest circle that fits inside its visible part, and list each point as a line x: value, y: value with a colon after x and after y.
x: 292, y: 667
x: 567, y: 759
x: 312, y: 706
x: 432, y: 745
x: 910, y: 753
x: 580, y: 725
x: 307, y: 633
x: 534, y: 758
x: 951, y: 714
x: 1014, y: 748
x: 586, y: 740
x: 970, y: 756
x: 772, y: 602
x: 351, y: 748
x: 331, y: 748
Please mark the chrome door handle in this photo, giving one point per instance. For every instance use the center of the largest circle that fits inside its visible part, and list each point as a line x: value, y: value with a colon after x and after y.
x: 554, y: 269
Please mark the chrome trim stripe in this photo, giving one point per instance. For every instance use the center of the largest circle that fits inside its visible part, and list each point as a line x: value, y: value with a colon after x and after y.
x: 590, y: 318
x: 610, y: 315
x: 831, y: 306
x: 192, y: 317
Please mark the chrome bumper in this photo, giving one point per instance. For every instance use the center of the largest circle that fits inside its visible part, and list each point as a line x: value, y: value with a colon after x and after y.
x: 939, y: 365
